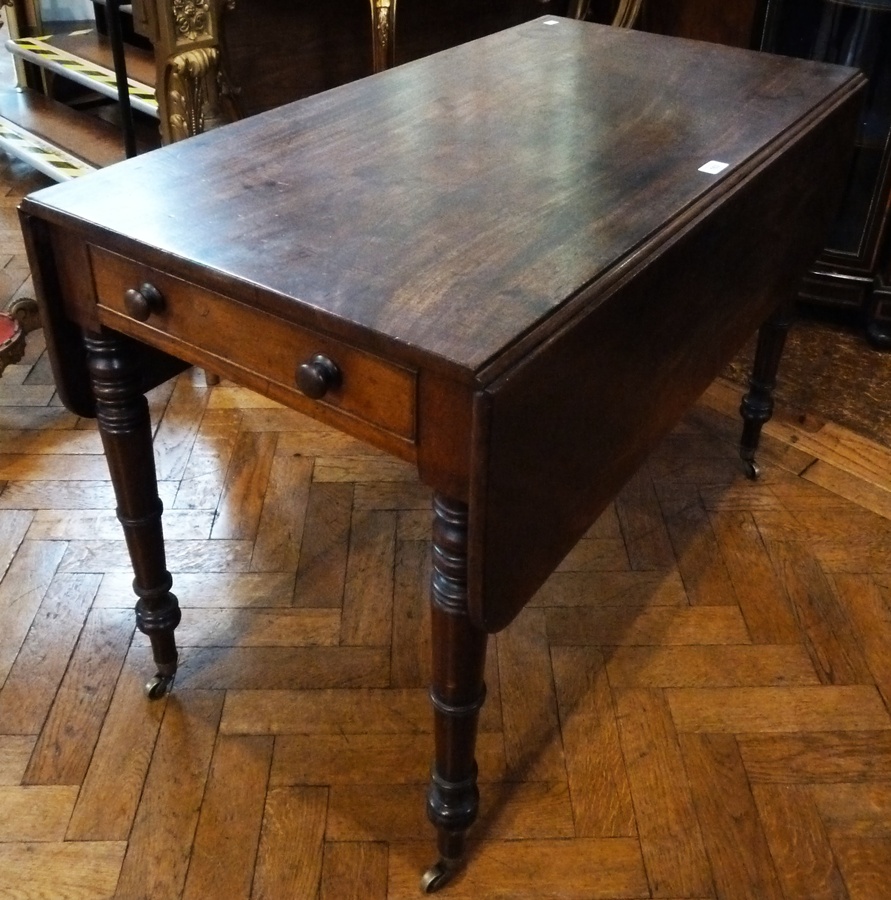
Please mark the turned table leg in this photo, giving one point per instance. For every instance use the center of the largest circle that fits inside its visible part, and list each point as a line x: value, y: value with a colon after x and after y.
x: 457, y: 693
x: 125, y: 427
x: 757, y: 405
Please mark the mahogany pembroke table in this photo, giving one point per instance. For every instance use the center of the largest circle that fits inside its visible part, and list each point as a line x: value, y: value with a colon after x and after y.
x: 514, y: 264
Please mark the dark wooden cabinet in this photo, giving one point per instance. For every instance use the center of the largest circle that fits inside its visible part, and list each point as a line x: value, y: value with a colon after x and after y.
x: 735, y: 23
x: 853, y: 273
x: 277, y: 51
x: 851, y: 279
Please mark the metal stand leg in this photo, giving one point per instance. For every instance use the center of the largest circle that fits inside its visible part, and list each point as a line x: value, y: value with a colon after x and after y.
x: 125, y: 427
x: 757, y: 405
x: 458, y: 693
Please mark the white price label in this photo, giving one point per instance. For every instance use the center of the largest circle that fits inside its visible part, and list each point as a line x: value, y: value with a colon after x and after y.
x: 712, y: 167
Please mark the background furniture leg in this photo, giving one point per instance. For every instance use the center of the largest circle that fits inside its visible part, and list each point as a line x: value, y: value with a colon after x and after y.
x: 125, y: 427
x: 383, y: 34
x: 625, y: 15
x: 757, y: 405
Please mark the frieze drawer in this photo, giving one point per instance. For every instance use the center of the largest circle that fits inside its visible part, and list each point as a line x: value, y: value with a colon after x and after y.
x: 326, y: 371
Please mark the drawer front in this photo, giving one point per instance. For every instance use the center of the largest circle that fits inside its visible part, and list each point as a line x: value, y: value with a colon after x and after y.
x: 186, y: 316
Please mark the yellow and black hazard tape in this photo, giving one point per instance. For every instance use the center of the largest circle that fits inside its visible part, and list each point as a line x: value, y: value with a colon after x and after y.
x: 43, y: 156
x: 41, y: 51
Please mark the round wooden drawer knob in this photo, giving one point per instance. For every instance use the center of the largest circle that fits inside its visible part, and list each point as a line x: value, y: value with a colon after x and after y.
x: 140, y: 304
x: 318, y: 376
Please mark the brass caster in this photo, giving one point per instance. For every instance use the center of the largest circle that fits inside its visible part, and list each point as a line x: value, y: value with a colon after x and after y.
x: 438, y: 875
x: 752, y: 469
x: 159, y: 686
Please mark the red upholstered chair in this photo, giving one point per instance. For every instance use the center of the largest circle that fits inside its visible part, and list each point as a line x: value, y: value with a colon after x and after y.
x: 12, y: 341
x: 20, y: 318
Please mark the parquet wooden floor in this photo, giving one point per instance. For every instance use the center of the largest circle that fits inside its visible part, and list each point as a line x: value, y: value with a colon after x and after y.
x: 695, y: 705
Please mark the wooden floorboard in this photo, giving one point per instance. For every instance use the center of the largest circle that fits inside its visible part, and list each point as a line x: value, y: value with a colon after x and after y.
x: 695, y: 705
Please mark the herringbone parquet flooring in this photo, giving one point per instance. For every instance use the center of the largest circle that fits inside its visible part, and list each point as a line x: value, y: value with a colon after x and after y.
x: 695, y: 705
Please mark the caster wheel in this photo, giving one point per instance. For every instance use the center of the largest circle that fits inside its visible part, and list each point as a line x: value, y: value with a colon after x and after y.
x: 751, y: 469
x: 159, y: 687
x: 878, y: 336
x: 436, y: 877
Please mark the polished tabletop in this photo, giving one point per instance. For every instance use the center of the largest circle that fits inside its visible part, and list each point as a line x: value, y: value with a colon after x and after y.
x: 454, y: 204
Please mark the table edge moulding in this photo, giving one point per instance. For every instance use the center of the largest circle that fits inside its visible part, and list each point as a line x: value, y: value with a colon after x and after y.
x: 514, y: 264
